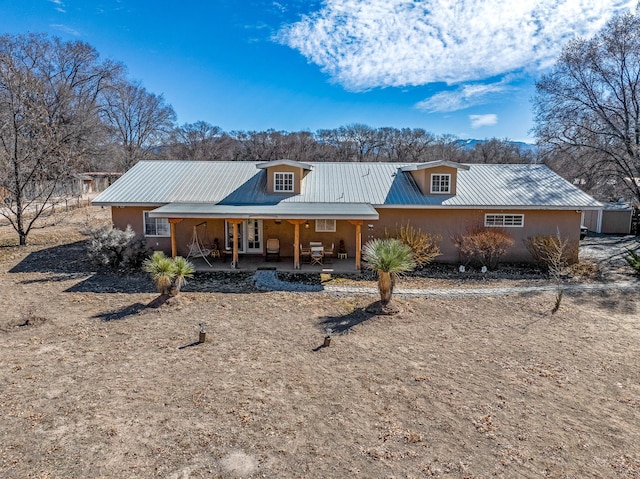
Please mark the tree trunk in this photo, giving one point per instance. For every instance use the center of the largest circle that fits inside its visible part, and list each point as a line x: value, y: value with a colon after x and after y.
x: 385, y: 285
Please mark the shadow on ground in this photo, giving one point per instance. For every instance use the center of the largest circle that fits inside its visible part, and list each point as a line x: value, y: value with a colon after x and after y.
x: 113, y: 283
x: 67, y: 258
x: 344, y: 323
x: 121, y: 313
x: 619, y: 301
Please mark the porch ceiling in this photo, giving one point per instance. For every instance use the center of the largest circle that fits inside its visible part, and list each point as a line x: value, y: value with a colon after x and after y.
x: 340, y: 211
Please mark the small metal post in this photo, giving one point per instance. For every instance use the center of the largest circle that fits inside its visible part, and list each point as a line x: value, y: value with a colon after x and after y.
x: 327, y: 338
x: 203, y: 334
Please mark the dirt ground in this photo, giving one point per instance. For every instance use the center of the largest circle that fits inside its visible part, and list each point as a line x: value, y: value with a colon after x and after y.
x: 95, y: 384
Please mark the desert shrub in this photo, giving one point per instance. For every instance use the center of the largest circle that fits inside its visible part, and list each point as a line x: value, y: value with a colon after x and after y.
x: 483, y: 245
x: 554, y: 254
x: 115, y: 248
x: 633, y: 258
x: 584, y: 269
x: 551, y: 251
x: 169, y: 274
x: 425, y: 247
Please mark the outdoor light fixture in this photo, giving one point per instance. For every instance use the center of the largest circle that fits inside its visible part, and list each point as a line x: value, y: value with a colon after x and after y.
x: 278, y: 222
x: 370, y: 226
x: 306, y: 225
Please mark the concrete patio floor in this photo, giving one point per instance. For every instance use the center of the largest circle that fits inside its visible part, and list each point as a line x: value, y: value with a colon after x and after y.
x: 258, y: 262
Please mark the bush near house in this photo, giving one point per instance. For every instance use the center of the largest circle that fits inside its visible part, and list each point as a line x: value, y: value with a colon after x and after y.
x: 425, y: 247
x: 117, y: 249
x: 550, y: 251
x: 484, y: 246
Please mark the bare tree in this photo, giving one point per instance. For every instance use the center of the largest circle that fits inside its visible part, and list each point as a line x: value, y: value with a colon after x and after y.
x: 498, y: 152
x: 590, y: 101
x: 200, y: 141
x: 139, y: 121
x: 406, y: 144
x: 444, y: 147
x: 49, y: 93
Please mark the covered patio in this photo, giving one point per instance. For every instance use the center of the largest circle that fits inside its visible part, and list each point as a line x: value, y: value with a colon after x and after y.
x: 296, y: 215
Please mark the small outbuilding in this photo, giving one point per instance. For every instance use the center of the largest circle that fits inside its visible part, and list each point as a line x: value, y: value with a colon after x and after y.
x: 612, y: 218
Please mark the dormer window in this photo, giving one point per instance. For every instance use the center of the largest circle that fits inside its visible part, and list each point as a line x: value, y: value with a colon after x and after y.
x: 283, y: 182
x: 440, y: 183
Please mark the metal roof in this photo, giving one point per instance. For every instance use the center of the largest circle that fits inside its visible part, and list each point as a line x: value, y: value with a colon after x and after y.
x: 156, y: 183
x: 314, y: 211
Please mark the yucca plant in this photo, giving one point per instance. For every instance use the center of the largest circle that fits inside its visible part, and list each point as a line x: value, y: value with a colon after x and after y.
x: 169, y: 274
x: 182, y: 269
x: 387, y: 257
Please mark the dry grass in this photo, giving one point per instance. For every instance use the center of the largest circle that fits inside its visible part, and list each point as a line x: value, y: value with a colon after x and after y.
x: 101, y: 386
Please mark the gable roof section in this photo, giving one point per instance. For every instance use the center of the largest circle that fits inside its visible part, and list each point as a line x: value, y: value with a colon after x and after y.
x: 295, y: 164
x: 382, y: 185
x: 434, y: 164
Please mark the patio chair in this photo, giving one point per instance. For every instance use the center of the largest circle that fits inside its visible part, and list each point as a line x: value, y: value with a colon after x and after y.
x: 215, y: 249
x: 317, y: 254
x: 305, y: 254
x: 328, y: 253
x: 273, y: 248
x: 342, y: 250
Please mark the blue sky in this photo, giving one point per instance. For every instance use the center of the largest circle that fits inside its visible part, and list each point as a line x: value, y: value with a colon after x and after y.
x: 463, y: 67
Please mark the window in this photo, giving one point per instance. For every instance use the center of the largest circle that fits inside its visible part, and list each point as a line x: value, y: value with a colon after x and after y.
x: 509, y: 221
x: 283, y: 182
x: 440, y: 183
x: 156, y: 226
x: 325, y: 226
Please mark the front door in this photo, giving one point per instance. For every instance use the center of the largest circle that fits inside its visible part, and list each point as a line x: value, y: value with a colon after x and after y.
x: 249, y: 236
x: 254, y: 236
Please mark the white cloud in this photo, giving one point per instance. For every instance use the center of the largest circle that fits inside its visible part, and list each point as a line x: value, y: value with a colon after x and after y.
x: 60, y: 5
x: 66, y: 29
x: 478, y: 121
x: 365, y: 44
x: 462, y: 97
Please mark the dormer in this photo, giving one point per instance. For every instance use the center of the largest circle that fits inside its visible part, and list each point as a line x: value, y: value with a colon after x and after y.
x: 436, y: 177
x: 284, y: 177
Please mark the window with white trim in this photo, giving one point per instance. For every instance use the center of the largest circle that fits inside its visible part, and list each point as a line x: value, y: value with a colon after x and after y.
x: 325, y: 226
x: 440, y: 183
x: 503, y: 221
x: 156, y: 226
x: 283, y: 182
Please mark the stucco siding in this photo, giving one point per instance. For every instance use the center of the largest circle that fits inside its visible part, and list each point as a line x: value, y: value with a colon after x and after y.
x: 451, y: 223
x: 446, y: 223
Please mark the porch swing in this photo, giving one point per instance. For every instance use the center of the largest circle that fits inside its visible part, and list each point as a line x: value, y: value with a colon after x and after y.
x: 198, y: 246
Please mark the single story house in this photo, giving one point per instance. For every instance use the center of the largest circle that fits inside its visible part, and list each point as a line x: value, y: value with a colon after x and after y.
x: 245, y: 203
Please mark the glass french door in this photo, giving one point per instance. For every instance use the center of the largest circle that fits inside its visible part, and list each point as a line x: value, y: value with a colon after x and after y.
x: 249, y: 236
x: 254, y: 236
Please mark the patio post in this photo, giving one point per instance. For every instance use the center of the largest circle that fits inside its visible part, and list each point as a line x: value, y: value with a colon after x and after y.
x: 296, y: 242
x: 234, y: 261
x: 172, y: 224
x: 358, y: 225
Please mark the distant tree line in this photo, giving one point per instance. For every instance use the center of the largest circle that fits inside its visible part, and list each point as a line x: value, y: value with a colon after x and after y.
x: 356, y: 142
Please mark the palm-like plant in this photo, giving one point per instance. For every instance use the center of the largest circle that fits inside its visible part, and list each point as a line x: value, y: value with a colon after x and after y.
x: 182, y: 270
x: 169, y: 274
x: 388, y: 257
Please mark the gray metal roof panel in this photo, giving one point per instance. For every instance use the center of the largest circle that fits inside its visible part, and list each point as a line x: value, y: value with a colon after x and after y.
x: 382, y: 184
x: 355, y: 211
